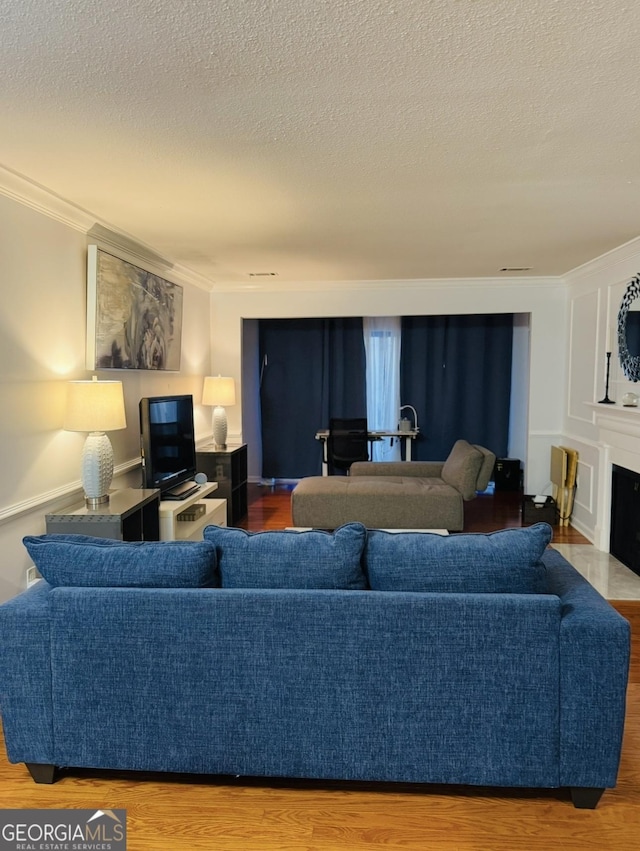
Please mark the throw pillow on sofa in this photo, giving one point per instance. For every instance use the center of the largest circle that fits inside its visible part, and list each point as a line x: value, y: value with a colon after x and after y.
x: 290, y: 559
x: 82, y: 560
x: 508, y: 561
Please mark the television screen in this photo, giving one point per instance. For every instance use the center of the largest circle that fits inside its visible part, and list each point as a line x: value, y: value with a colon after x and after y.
x: 167, y: 441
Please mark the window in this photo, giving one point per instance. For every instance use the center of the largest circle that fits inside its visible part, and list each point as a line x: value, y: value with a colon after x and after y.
x: 382, y: 343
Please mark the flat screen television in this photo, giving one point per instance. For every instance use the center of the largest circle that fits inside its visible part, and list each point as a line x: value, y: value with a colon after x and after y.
x: 167, y: 442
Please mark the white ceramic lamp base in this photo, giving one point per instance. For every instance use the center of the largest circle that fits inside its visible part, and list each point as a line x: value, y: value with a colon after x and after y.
x: 220, y: 427
x: 97, y: 468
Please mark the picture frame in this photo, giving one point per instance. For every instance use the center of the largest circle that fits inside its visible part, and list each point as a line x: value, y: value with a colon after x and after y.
x: 134, y: 317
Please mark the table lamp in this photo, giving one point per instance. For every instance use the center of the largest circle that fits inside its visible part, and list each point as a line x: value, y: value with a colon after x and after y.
x: 415, y: 417
x: 95, y: 406
x: 219, y: 391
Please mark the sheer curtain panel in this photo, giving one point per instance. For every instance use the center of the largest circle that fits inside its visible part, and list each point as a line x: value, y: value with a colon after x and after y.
x: 382, y: 342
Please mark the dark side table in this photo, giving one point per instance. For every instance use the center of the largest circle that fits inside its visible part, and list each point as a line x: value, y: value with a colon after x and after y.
x: 130, y: 515
x: 227, y: 467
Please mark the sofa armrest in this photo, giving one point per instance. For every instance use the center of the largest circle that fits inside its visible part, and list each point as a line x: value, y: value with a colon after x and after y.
x: 594, y: 669
x: 423, y: 469
x: 26, y: 702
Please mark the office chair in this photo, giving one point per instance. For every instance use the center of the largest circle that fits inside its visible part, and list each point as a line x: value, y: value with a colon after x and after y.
x: 348, y: 441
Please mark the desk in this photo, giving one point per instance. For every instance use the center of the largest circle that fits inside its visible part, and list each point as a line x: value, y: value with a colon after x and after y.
x: 406, y: 436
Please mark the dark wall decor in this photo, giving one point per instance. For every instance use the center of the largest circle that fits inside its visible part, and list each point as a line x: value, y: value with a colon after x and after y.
x: 629, y: 331
x: 134, y: 318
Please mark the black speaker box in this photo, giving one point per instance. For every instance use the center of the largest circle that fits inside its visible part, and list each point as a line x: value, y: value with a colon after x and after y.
x: 507, y: 474
x: 546, y: 512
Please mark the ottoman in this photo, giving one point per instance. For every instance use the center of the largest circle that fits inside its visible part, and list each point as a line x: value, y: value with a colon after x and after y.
x: 380, y: 502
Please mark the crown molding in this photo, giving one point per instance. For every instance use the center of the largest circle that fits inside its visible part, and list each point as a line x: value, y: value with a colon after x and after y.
x: 537, y: 282
x: 25, y: 191
x: 136, y: 252
x: 188, y: 276
x: 42, y: 200
x: 615, y: 263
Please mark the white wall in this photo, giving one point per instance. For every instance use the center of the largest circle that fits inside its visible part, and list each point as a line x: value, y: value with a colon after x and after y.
x: 602, y: 434
x: 543, y: 299
x: 42, y: 345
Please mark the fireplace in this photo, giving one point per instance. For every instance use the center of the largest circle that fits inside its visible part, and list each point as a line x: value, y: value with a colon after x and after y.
x: 625, y: 517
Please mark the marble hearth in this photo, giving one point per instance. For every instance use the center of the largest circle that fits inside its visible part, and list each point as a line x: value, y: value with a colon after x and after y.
x: 607, y: 575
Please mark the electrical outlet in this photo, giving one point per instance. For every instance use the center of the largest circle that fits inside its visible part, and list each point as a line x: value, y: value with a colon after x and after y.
x: 32, y: 575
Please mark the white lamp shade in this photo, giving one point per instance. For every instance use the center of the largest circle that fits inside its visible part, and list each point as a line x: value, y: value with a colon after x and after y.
x: 95, y: 406
x: 219, y: 390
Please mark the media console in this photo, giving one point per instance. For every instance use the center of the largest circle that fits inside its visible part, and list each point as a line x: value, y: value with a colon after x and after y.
x: 174, y: 529
x: 139, y: 514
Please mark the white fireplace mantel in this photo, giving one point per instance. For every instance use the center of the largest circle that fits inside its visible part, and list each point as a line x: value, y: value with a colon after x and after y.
x: 619, y: 412
x: 618, y: 439
x: 618, y: 428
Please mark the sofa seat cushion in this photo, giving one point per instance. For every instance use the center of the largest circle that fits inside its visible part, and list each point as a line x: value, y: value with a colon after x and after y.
x: 82, y: 560
x: 508, y: 561
x: 375, y: 484
x: 397, y: 485
x: 290, y: 559
x: 401, y: 487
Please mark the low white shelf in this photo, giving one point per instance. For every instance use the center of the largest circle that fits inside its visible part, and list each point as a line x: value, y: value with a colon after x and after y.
x: 172, y: 529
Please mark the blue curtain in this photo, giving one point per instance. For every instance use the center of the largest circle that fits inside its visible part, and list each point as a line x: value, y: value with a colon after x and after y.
x: 456, y: 372
x: 312, y: 370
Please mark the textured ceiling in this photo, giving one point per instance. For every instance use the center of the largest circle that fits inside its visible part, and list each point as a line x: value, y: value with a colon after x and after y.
x: 335, y: 140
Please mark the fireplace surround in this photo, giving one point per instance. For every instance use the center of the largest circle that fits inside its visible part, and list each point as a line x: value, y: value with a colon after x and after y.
x: 625, y: 517
x: 618, y: 445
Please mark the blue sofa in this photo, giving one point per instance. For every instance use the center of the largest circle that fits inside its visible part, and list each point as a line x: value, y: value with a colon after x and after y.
x: 356, y: 655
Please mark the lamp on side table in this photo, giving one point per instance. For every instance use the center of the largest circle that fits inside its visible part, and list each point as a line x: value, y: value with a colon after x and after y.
x: 219, y: 390
x: 97, y: 407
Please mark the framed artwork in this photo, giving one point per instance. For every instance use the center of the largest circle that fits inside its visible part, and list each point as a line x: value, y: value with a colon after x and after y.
x: 134, y: 318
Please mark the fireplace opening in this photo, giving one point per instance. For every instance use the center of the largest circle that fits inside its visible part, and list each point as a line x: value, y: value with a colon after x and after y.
x: 624, y: 543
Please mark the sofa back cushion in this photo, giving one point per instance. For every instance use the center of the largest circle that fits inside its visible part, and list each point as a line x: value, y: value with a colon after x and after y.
x: 486, y: 468
x: 290, y: 559
x: 81, y: 560
x: 462, y: 468
x: 508, y: 561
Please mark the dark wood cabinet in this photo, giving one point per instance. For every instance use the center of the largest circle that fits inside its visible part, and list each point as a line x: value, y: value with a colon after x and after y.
x: 227, y: 467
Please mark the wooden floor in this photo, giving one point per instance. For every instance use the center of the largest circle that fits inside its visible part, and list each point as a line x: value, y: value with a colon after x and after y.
x: 199, y: 814
x: 270, y: 508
